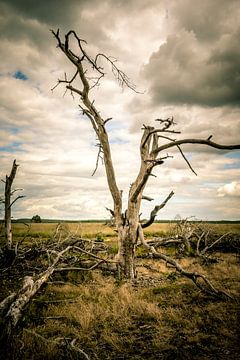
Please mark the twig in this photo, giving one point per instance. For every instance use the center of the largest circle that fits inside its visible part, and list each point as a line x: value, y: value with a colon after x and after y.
x: 182, y: 153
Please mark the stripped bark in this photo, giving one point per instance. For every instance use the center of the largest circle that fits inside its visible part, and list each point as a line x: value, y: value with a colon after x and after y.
x: 28, y: 290
x: 8, y: 205
x: 9, y: 251
x: 5, y: 303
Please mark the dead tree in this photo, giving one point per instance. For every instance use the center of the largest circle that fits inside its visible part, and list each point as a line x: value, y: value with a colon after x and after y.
x: 154, y: 142
x: 8, y: 203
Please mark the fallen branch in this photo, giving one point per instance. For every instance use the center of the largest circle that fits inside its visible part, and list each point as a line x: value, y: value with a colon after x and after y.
x: 164, y: 241
x: 207, y: 286
x: 208, y: 247
x: 4, y: 305
x: 28, y: 290
x: 64, y: 343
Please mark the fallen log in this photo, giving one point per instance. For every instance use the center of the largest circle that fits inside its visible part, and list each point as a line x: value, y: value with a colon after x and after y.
x: 5, y: 304
x: 28, y: 290
x: 11, y: 308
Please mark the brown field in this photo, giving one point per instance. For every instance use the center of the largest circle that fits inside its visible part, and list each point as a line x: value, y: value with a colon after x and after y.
x: 160, y: 316
x: 163, y: 316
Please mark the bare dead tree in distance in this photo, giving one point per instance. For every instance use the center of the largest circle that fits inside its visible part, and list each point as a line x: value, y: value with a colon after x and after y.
x: 8, y: 203
x: 151, y: 150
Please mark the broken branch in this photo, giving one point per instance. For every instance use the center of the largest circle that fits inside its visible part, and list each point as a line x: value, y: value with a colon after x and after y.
x: 156, y: 210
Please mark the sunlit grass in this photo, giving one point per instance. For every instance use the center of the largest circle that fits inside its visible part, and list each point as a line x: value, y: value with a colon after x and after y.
x: 112, y: 319
x: 103, y: 231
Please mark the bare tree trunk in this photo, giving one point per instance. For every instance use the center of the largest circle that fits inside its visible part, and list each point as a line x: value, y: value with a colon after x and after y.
x: 8, y: 205
x: 127, y: 240
x: 126, y: 253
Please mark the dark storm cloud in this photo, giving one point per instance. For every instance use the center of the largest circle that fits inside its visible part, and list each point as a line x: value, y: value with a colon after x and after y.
x: 50, y: 12
x: 30, y: 21
x: 193, y: 68
x: 92, y: 18
x: 208, y: 19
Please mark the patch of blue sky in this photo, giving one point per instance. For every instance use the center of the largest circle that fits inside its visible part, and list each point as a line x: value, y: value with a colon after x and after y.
x: 12, y: 148
x: 233, y: 155
x: 14, y: 130
x: 115, y: 125
x: 189, y: 155
x: 235, y: 165
x: 20, y: 75
x: 208, y: 185
x: 118, y: 141
x: 110, y: 125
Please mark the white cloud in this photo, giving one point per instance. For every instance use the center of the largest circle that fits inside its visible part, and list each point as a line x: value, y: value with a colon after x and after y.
x: 55, y: 145
x: 231, y: 189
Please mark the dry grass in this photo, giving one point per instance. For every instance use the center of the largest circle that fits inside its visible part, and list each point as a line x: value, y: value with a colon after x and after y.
x: 102, y: 231
x: 87, y: 230
x: 169, y: 320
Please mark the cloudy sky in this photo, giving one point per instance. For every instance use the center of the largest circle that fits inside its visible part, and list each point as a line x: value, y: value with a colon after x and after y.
x: 184, y: 57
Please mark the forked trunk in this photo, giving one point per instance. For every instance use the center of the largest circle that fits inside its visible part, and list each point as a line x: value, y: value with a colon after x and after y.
x: 154, y: 143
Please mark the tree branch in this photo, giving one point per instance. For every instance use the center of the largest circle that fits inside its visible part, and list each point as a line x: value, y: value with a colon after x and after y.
x: 97, y: 122
x: 120, y: 76
x: 196, y: 141
x: 156, y: 210
x: 17, y: 198
x: 148, y: 198
x: 98, y: 158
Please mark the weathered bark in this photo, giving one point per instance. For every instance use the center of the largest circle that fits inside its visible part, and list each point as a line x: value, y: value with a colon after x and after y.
x: 11, y: 308
x: 5, y: 303
x: 127, y: 240
x: 28, y: 290
x: 8, y: 205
